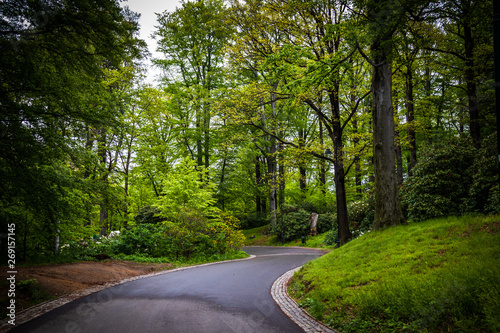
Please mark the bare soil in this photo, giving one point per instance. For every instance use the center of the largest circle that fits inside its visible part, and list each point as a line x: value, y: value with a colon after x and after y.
x: 62, y: 279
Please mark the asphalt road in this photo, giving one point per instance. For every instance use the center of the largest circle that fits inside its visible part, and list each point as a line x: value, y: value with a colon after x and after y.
x: 226, y: 297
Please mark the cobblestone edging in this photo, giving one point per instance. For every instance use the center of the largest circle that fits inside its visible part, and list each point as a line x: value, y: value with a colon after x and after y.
x: 40, y: 309
x: 291, y: 309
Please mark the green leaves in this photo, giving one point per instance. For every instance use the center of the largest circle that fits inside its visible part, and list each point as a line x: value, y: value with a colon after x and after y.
x: 186, y: 188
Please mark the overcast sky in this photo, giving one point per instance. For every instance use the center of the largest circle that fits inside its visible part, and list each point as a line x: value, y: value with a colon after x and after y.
x: 147, y: 9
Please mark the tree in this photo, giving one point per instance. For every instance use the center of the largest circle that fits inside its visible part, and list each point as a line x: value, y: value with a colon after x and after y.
x: 468, y: 41
x: 184, y: 192
x: 192, y: 39
x: 384, y: 18
x: 52, y: 65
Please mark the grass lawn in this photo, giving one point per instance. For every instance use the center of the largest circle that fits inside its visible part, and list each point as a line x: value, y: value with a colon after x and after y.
x: 435, y: 276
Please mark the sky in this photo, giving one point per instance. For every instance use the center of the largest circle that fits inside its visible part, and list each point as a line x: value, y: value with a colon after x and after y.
x: 147, y: 21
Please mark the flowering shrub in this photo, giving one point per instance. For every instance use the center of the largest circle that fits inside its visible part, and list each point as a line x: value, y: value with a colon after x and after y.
x: 195, y: 237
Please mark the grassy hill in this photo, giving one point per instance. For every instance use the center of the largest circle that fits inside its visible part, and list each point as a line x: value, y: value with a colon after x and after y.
x: 435, y: 276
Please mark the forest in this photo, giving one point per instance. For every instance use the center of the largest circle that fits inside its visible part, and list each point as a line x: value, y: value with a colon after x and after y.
x: 369, y: 113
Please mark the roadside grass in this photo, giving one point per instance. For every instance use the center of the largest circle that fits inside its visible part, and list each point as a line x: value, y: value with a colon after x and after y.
x: 436, y: 276
x: 190, y: 262
x: 261, y: 237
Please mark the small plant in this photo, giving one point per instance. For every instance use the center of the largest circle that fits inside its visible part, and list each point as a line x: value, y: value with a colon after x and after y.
x: 330, y: 238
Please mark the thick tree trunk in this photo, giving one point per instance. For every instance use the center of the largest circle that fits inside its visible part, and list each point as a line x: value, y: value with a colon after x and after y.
x: 387, y: 207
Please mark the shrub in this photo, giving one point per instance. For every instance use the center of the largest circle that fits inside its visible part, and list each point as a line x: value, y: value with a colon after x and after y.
x: 196, y: 236
x: 225, y: 233
x: 361, y: 214
x: 254, y: 220
x: 483, y: 189
x: 293, y: 222
x: 139, y: 239
x: 330, y: 237
x: 452, y: 178
x: 440, y: 181
x: 326, y: 222
x: 148, y: 214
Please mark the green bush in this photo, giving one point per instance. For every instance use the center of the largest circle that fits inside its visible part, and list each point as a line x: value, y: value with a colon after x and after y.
x: 361, y: 214
x: 254, y: 220
x: 293, y: 222
x: 440, y: 182
x: 330, y: 237
x: 141, y: 239
x: 148, y: 214
x: 326, y: 222
x: 196, y: 236
x: 453, y: 178
x: 483, y: 190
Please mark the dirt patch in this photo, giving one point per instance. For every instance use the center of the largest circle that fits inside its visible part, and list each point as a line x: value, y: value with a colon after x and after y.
x: 63, y: 279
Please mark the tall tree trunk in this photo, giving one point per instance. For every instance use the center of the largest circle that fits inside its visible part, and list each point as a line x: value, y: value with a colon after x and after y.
x: 260, y: 203
x: 399, y: 156
x: 334, y: 129
x: 302, y: 168
x: 272, y: 167
x: 206, y: 132
x: 357, y: 164
x: 258, y: 181
x: 199, y: 143
x: 473, y: 105
x: 340, y: 192
x: 322, y: 165
x: 410, y: 116
x: 387, y: 207
x: 282, y: 184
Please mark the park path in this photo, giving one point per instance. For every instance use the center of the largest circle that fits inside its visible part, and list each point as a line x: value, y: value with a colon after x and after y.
x: 231, y: 296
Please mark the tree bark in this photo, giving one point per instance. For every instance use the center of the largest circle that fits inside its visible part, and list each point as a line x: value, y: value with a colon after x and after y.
x: 281, y: 178
x: 473, y: 105
x: 258, y: 180
x: 399, y: 155
x: 272, y: 171
x: 340, y: 192
x: 302, y: 168
x: 410, y: 116
x: 322, y: 166
x: 387, y: 207
x: 357, y: 164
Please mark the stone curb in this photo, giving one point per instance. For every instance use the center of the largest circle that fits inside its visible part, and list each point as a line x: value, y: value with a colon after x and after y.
x: 290, y: 307
x: 39, y: 309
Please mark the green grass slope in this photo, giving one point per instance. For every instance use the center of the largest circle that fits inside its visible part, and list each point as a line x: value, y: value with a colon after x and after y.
x: 435, y: 276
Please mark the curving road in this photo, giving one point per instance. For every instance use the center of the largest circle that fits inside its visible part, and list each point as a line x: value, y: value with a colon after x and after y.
x: 226, y: 297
